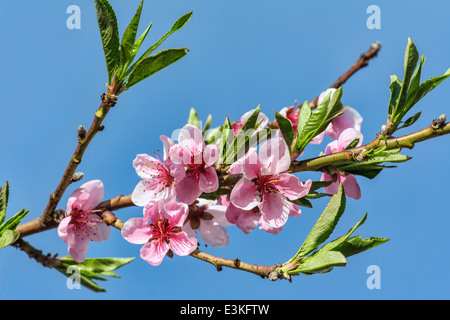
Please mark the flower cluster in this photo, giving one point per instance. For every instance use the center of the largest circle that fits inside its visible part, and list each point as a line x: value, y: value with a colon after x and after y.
x: 184, y: 197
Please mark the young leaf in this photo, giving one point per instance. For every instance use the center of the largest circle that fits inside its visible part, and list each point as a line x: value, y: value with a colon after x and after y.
x: 14, y: 221
x: 356, y: 245
x: 127, y: 52
x: 325, y: 224
x: 395, y: 88
x: 286, y: 129
x: 8, y: 237
x: 321, y: 262
x: 303, y: 117
x: 109, y: 33
x: 227, y: 139
x: 333, y: 244
x: 4, y: 195
x: 153, y: 64
x: 207, y: 124
x: 241, y: 142
x: 193, y: 118
x: 410, y: 121
x: 180, y: 23
x: 93, y: 268
x: 410, y: 62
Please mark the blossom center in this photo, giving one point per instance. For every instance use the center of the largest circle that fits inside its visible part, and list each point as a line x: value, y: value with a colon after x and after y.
x: 163, y: 230
x: 267, y: 183
x: 80, y: 220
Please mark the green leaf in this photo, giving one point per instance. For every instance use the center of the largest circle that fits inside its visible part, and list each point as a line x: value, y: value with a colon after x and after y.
x: 8, y: 237
x: 14, y: 221
x: 207, y: 124
x: 356, y: 245
x: 153, y: 64
x: 325, y: 224
x: 180, y: 23
x: 93, y: 268
x: 410, y: 62
x: 319, y: 184
x: 352, y: 144
x: 241, y: 143
x: 303, y: 117
x: 302, y: 202
x: 317, y: 122
x: 335, y: 243
x: 373, y: 159
x: 395, y: 88
x: 429, y: 85
x: 4, y: 195
x: 321, y: 262
x: 286, y: 129
x: 193, y: 118
x: 109, y: 33
x: 411, y: 120
x: 227, y: 139
x: 127, y: 46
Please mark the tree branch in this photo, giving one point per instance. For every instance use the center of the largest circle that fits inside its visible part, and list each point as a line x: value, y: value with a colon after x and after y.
x: 351, y: 155
x: 84, y: 138
x: 362, y: 62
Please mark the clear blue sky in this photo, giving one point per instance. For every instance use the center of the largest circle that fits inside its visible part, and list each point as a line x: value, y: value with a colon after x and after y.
x: 242, y: 54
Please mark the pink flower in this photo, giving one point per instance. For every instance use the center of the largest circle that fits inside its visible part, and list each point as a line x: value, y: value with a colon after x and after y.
x: 292, y: 114
x: 247, y: 220
x: 237, y: 125
x: 349, y: 119
x: 266, y: 183
x: 199, y: 160
x: 160, y: 231
x: 349, y: 182
x: 158, y: 176
x: 81, y: 223
x: 208, y: 218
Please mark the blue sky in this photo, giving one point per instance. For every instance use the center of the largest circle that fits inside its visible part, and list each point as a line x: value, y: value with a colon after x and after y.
x: 241, y: 54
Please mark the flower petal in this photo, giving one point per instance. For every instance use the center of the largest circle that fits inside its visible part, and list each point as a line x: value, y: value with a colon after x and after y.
x: 251, y: 164
x: 182, y: 244
x: 349, y: 119
x: 99, y: 231
x: 78, y: 248
x: 334, y: 186
x: 214, y: 234
x: 136, y: 230
x: 191, y: 137
x: 210, y: 154
x: 274, y: 156
x: 188, y: 190
x: 291, y: 186
x: 347, y: 136
x: 208, y: 182
x: 275, y: 209
x: 154, y: 252
x: 245, y: 194
x: 246, y: 220
x: 351, y: 186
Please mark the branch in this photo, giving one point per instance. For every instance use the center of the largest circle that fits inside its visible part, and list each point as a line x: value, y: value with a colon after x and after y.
x: 351, y: 155
x: 108, y: 101
x: 47, y: 260
x: 263, y: 271
x: 35, y: 226
x: 362, y: 62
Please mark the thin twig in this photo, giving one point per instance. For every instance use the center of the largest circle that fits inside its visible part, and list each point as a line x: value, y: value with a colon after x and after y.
x: 362, y: 62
